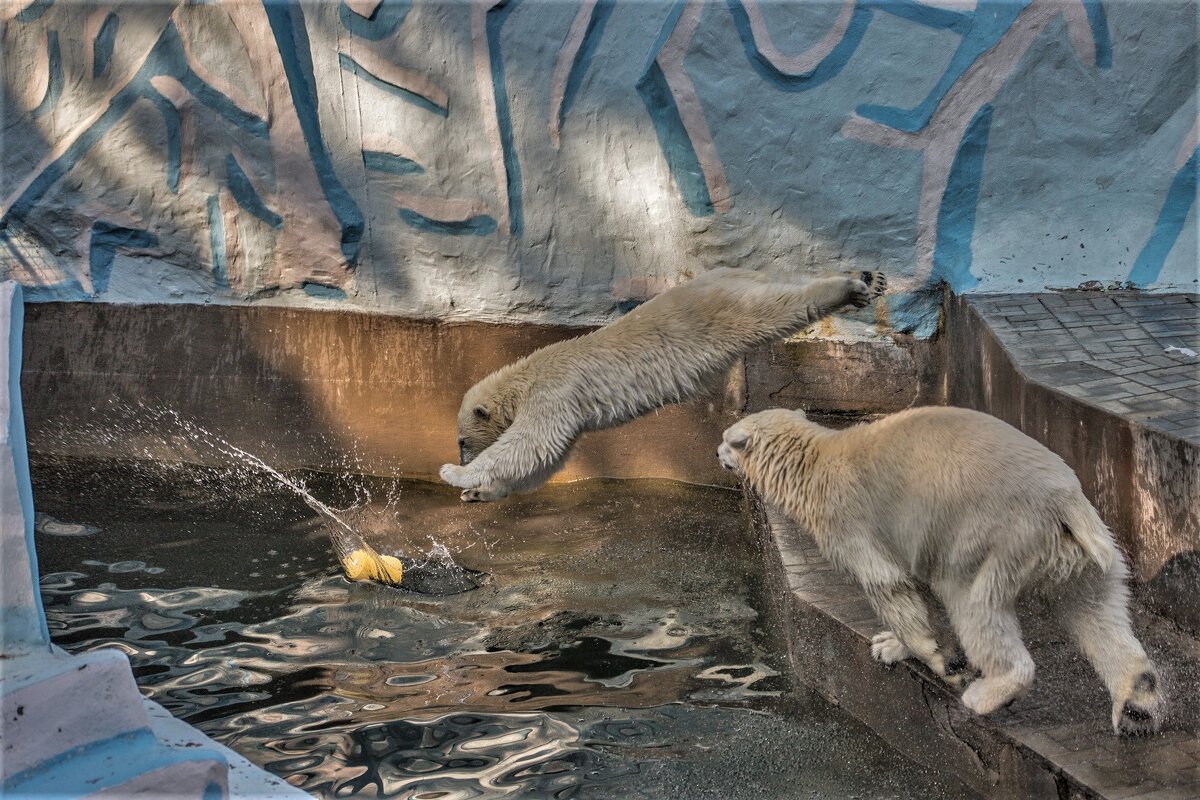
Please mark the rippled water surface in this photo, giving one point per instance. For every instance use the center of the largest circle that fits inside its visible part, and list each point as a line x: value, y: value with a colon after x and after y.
x: 615, y: 652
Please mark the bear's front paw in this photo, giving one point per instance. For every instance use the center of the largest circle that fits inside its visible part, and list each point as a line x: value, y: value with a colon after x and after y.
x: 483, y: 494
x: 866, y: 288
x: 860, y: 294
x: 888, y: 648
x: 457, y: 476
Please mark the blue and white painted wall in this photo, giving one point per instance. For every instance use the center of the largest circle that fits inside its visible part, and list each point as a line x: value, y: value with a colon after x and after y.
x: 556, y: 161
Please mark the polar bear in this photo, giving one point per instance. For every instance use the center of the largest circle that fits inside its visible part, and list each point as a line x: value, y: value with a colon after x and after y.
x: 516, y: 426
x: 968, y: 506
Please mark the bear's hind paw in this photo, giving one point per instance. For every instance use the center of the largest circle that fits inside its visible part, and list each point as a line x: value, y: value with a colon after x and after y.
x: 1140, y: 711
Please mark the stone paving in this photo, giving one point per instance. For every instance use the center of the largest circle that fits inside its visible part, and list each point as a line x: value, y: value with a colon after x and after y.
x: 1122, y: 351
x: 1061, y: 727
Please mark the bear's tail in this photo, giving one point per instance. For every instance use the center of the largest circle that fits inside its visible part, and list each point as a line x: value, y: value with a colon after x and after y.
x: 1083, y: 526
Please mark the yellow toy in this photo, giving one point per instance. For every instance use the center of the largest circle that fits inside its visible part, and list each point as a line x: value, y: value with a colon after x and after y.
x: 365, y: 564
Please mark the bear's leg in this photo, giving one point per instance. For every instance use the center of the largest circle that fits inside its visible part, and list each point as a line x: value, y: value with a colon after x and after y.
x: 523, y: 458
x: 985, y: 621
x: 796, y: 306
x: 903, y: 610
x: 1094, y: 608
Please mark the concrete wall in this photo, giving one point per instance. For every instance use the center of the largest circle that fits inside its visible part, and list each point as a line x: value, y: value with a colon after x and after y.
x: 553, y: 161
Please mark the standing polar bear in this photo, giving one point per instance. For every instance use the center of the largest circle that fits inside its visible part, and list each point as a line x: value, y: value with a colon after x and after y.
x: 972, y: 508
x: 516, y: 426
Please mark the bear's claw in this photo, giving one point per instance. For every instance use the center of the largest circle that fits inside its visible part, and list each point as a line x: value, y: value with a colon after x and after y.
x: 876, y: 282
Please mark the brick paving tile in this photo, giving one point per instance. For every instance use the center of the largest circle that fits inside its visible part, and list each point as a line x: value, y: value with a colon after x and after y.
x: 1108, y: 349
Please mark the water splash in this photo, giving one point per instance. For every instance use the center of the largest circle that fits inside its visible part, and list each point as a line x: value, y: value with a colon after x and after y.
x: 436, y: 573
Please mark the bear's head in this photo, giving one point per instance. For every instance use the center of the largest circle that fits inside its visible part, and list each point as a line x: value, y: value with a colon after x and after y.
x: 485, y: 413
x: 747, y: 437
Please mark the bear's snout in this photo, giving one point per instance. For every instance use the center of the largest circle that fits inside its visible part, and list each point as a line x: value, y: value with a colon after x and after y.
x: 725, y: 456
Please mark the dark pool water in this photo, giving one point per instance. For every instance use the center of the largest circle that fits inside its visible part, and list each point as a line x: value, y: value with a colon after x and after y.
x: 616, y: 651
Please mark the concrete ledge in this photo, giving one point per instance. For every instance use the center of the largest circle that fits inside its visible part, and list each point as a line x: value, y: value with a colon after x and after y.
x: 1055, y: 743
x: 846, y: 377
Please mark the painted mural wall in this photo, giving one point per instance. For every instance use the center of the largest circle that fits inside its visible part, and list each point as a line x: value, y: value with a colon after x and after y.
x: 560, y: 160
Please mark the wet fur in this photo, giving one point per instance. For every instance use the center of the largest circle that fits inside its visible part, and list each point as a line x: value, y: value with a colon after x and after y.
x: 518, y: 424
x: 970, y: 507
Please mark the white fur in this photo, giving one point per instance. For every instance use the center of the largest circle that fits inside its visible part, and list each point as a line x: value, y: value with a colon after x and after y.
x: 517, y: 425
x: 970, y: 507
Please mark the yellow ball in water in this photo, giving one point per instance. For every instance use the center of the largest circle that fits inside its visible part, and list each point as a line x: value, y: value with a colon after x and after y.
x: 392, y: 570
x: 365, y: 565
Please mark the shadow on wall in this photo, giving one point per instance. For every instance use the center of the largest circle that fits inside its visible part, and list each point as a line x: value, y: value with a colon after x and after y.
x: 328, y: 390
x: 306, y: 156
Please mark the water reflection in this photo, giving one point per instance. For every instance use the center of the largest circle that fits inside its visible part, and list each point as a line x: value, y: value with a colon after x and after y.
x: 619, y: 617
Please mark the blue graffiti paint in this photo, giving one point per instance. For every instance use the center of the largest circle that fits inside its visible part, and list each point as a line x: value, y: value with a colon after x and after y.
x: 54, y: 83
x: 216, y: 242
x: 512, y: 166
x: 956, y: 215
x: 243, y: 192
x: 166, y: 58
x: 583, y: 57
x: 828, y: 67
x: 1098, y: 21
x: 391, y: 163
x: 915, y: 313
x: 929, y: 16
x: 106, y: 240
x: 481, y: 225
x: 252, y: 124
x: 673, y: 139
x: 1180, y: 199
x: 287, y: 26
x: 384, y: 21
x: 988, y: 23
x: 170, y: 115
x: 33, y: 12
x: 169, y: 58
x: 54, y: 171
x: 418, y: 100
x: 102, y: 47
x: 313, y: 289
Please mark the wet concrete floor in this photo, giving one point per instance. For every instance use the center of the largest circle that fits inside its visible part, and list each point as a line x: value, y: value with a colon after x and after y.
x: 616, y: 651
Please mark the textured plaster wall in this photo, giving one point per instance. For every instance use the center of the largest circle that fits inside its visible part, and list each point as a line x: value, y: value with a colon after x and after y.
x: 557, y: 161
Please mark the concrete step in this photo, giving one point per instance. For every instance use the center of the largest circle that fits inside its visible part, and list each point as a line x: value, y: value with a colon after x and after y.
x: 77, y: 726
x: 123, y: 766
x: 1056, y: 742
x: 55, y: 703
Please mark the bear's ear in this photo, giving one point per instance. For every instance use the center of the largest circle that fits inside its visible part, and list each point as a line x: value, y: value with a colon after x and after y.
x: 481, y: 412
x: 738, y: 440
